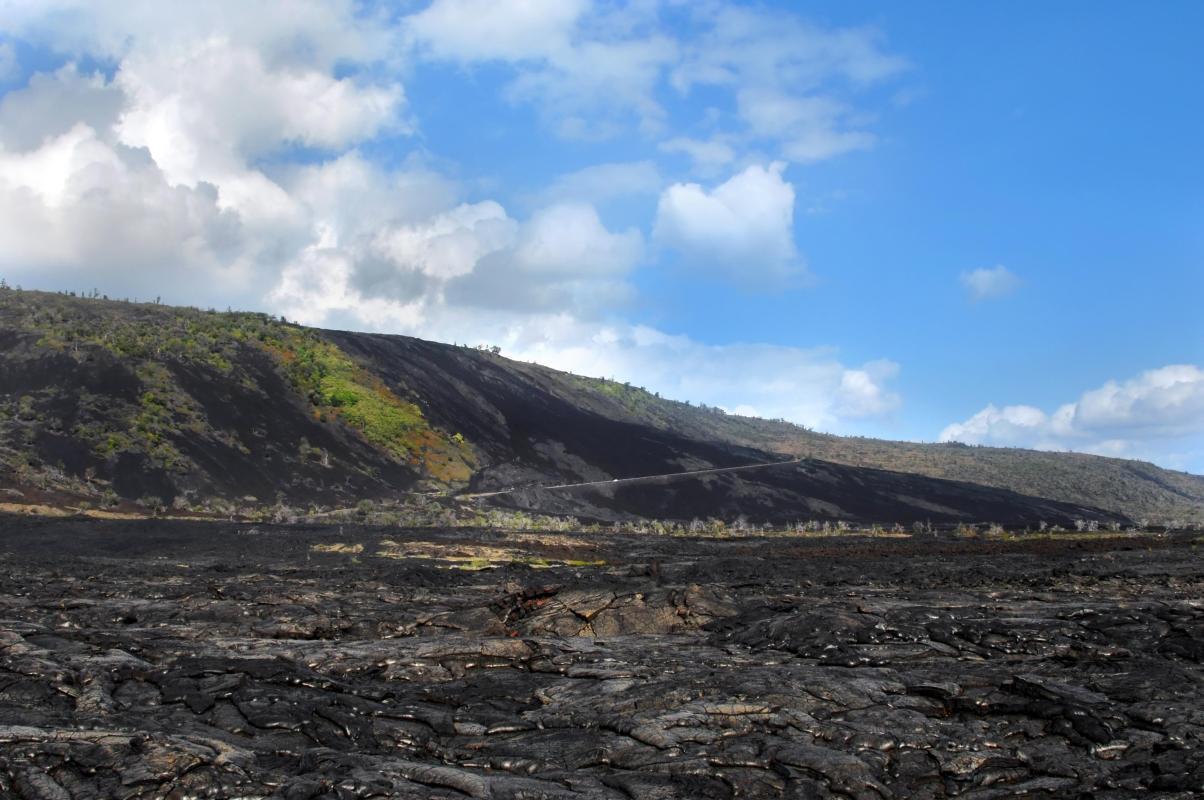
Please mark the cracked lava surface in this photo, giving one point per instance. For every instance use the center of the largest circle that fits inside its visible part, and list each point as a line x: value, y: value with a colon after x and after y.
x: 172, y: 659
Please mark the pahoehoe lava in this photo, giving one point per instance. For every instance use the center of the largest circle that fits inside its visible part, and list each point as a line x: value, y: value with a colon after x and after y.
x: 152, y: 658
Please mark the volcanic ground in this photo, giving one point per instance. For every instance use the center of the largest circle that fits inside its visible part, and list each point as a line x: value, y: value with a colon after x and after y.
x: 145, y: 659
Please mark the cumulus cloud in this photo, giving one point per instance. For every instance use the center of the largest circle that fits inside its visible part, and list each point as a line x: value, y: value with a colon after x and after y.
x: 474, y: 255
x: 319, y: 284
x: 743, y: 227
x: 989, y: 283
x: 228, y: 154
x: 206, y: 110
x: 571, y: 239
x: 450, y: 244
x: 153, y: 170
x: 79, y: 205
x: 54, y: 103
x: 564, y: 258
x: 1146, y: 416
x: 354, y: 197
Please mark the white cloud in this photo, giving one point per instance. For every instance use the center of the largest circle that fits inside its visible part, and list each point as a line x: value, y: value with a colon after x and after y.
x: 204, y: 111
x: 153, y: 171
x: 708, y: 155
x: 53, y: 103
x: 562, y: 259
x: 586, y: 68
x: 809, y: 128
x: 788, y: 77
x: 1143, y: 417
x: 595, y: 89
x: 591, y: 69
x: 319, y: 282
x: 571, y: 239
x: 743, y: 45
x: 176, y: 172
x: 988, y: 283
x: 79, y: 205
x: 287, y: 33
x: 810, y: 387
x: 355, y: 197
x: 487, y: 30
x: 450, y: 244
x: 743, y: 227
x: 1161, y: 402
x: 602, y: 183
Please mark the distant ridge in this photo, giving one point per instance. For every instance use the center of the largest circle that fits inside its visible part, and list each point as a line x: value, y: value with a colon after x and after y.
x: 107, y: 401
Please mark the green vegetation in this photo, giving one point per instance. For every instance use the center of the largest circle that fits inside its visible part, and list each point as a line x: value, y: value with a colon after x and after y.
x: 154, y: 358
x: 338, y: 387
x: 155, y: 343
x: 646, y: 406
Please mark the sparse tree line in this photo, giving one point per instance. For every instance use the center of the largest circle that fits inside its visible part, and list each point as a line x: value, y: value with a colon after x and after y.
x: 437, y: 512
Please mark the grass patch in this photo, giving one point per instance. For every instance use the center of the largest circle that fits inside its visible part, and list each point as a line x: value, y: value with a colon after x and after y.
x: 474, y: 557
x: 338, y: 547
x: 339, y: 388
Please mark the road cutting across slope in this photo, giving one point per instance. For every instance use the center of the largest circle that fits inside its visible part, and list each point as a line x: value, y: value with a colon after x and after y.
x: 633, y: 481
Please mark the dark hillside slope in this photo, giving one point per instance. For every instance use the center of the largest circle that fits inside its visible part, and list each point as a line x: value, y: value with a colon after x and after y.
x: 530, y: 433
x: 1137, y: 489
x: 810, y: 491
x: 102, y: 400
x: 92, y: 422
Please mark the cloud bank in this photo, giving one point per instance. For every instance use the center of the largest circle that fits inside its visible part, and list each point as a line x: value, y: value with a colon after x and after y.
x: 234, y: 154
x: 1159, y: 414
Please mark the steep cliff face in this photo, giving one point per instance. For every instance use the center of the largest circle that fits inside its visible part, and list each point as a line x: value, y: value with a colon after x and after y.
x: 105, y: 400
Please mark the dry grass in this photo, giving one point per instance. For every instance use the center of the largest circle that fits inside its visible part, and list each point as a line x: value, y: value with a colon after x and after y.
x: 1066, y: 536
x: 478, y: 557
x: 42, y: 510
x: 34, y: 509
x: 338, y: 547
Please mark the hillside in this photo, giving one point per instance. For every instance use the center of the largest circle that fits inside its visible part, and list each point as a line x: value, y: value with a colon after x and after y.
x: 106, y: 402
x: 1137, y: 489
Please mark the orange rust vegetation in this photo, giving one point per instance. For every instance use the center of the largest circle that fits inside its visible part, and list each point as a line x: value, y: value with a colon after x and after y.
x: 339, y: 387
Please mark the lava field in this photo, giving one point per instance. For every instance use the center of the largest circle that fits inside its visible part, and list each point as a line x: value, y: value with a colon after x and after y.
x: 168, y: 659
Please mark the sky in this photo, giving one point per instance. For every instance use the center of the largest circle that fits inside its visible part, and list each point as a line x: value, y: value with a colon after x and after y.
x: 979, y: 222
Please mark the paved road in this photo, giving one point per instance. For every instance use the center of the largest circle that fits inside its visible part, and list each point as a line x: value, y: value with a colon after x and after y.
x: 632, y: 481
x: 610, y: 482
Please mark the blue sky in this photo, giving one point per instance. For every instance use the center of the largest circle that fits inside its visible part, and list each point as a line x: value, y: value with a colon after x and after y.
x: 970, y: 221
